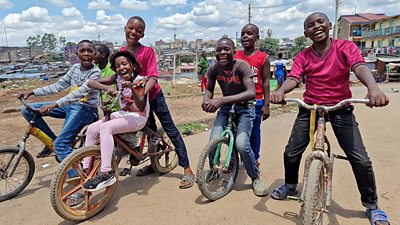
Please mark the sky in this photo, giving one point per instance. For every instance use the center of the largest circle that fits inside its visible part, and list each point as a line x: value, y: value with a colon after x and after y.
x: 209, y: 19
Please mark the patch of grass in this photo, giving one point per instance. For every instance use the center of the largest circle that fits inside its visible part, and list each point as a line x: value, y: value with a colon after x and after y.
x: 192, y: 128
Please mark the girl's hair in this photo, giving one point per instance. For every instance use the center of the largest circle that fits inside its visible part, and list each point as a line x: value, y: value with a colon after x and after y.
x: 127, y: 54
x: 85, y: 41
x: 138, y: 18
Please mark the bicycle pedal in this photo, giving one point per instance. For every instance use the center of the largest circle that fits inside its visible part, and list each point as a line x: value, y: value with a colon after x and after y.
x: 125, y: 171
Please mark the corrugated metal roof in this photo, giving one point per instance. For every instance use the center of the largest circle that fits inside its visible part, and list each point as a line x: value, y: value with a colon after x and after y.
x: 388, y: 59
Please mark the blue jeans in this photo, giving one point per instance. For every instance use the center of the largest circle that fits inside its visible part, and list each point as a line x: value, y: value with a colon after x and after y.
x: 77, y: 115
x: 346, y: 130
x: 255, y: 138
x: 244, y: 117
x: 160, y: 108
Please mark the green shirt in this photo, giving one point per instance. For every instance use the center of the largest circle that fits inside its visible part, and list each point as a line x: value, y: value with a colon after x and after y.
x: 204, y: 65
x: 106, y: 72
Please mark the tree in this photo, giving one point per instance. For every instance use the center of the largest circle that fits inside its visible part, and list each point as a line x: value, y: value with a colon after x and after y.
x: 62, y: 41
x: 225, y: 36
x: 269, y: 45
x: 300, y: 43
x: 71, y: 44
x: 33, y: 41
x: 48, y: 41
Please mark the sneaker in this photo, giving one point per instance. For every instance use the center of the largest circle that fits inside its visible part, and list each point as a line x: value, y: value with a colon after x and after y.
x: 46, y: 152
x: 100, y: 181
x: 259, y: 188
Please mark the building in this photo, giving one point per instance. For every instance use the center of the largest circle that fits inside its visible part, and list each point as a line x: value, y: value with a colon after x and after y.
x: 10, y: 55
x: 371, y: 31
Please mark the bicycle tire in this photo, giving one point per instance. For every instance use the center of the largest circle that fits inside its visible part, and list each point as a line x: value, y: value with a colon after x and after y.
x: 314, y: 196
x: 163, y: 164
x: 205, y: 182
x: 27, y: 172
x: 60, y: 189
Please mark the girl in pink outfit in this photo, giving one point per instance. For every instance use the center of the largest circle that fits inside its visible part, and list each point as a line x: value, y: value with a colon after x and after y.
x: 130, y: 118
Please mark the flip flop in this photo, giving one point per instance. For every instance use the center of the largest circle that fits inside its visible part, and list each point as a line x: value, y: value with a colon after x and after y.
x: 282, y: 192
x: 377, y: 215
x: 188, y: 179
x: 146, y: 170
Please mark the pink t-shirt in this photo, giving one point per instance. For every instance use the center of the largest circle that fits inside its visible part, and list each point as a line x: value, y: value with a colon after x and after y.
x: 256, y: 63
x: 147, y: 59
x: 327, y: 77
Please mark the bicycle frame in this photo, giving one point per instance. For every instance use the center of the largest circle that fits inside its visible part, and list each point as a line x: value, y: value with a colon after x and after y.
x: 227, y: 132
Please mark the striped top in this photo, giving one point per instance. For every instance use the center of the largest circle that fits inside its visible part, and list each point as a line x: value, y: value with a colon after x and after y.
x: 77, y: 81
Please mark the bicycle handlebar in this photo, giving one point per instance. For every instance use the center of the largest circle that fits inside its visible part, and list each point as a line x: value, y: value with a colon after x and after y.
x: 23, y: 100
x: 326, y: 108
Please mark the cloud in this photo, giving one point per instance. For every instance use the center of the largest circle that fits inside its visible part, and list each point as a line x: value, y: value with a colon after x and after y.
x: 116, y: 20
x: 71, y: 12
x: 60, y: 3
x: 169, y: 3
x: 99, y: 4
x: 6, y: 4
x: 134, y: 4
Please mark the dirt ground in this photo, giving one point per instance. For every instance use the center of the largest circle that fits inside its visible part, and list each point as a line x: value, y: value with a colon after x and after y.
x: 158, y: 200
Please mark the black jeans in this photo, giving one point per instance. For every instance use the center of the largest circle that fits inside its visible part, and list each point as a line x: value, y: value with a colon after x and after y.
x: 160, y: 108
x: 349, y: 138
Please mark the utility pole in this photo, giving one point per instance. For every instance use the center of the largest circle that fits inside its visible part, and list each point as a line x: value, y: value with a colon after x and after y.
x: 5, y: 32
x: 335, y: 30
x: 249, y: 11
x: 174, y: 59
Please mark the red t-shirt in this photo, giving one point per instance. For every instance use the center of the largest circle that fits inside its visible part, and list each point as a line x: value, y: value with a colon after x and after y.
x: 147, y: 59
x: 327, y: 77
x: 256, y: 62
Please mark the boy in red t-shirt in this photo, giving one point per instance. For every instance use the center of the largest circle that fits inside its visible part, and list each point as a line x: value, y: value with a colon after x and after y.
x: 259, y: 64
x: 327, y: 64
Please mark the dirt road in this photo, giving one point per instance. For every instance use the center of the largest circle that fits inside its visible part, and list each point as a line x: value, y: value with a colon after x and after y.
x: 157, y: 199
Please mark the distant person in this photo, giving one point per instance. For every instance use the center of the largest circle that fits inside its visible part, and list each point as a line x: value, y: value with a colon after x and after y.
x: 279, y: 70
x: 101, y: 61
x: 327, y: 64
x: 78, y: 108
x: 259, y: 64
x: 202, y: 69
x: 236, y: 81
x: 134, y: 31
x: 130, y: 118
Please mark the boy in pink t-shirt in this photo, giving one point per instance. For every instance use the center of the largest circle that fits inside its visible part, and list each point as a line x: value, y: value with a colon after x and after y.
x: 326, y: 65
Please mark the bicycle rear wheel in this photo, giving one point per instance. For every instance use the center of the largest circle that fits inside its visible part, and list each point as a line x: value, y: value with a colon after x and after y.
x: 314, y: 194
x: 167, y: 161
x: 214, y: 181
x: 11, y: 186
x: 63, y: 189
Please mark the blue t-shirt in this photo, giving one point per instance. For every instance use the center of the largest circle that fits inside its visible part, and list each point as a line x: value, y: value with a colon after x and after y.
x: 279, y: 64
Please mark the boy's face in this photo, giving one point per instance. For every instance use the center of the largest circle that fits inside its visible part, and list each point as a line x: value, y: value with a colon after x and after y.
x: 98, y: 56
x: 134, y: 31
x: 224, y: 52
x: 86, y: 54
x: 316, y: 27
x: 123, y: 67
x: 249, y: 36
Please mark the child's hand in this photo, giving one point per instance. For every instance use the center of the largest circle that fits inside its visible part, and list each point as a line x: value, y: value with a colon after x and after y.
x: 47, y: 108
x: 377, y: 98
x: 265, y: 112
x: 24, y: 94
x: 276, y: 97
x: 212, y: 105
x: 138, y: 87
x: 111, y: 91
x: 125, y: 83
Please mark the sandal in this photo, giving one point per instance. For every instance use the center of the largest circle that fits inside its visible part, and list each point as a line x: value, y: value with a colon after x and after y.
x: 187, y: 181
x: 146, y: 170
x: 282, y: 192
x: 75, y: 199
x: 377, y: 215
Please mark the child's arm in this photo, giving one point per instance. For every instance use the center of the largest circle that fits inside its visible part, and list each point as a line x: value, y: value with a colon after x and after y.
x: 375, y: 95
x: 265, y: 73
x: 209, y: 91
x: 139, y: 96
x: 103, y: 84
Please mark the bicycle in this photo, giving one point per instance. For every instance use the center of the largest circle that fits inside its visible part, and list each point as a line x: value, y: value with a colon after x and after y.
x: 159, y: 151
x: 17, y: 165
x: 316, y: 195
x: 217, y: 179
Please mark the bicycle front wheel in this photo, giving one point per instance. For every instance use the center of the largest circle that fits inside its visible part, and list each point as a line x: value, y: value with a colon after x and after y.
x: 166, y: 162
x: 213, y: 180
x: 314, y: 194
x: 11, y: 186
x: 64, y: 189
